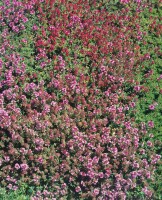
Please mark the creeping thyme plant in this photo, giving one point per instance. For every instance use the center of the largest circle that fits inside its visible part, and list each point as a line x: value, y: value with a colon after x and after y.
x: 80, y: 99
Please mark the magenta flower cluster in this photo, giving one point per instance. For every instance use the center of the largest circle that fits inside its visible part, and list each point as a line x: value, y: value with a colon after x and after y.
x: 71, y: 127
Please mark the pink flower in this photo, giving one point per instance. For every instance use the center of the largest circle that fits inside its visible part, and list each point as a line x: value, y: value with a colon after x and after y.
x: 77, y: 189
x: 15, y: 187
x: 148, y: 174
x: 137, y: 88
x: 108, y: 173
x: 151, y: 135
x: 114, y: 150
x: 124, y: 1
x: 160, y: 77
x: 35, y: 28
x: 7, y: 158
x: 132, y: 104
x: 45, y: 192
x: 135, y: 165
x: 24, y: 41
x: 24, y: 19
x: 147, y: 192
x: 96, y: 192
x: 17, y: 166
x: 134, y: 174
x: 101, y: 175
x: 151, y: 107
x: 151, y: 124
x: 149, y: 143
x: 10, y: 186
x: 40, y: 160
x: 24, y: 167
x: 38, y: 193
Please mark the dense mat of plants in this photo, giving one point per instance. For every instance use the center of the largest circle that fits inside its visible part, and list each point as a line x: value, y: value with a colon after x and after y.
x: 80, y: 99
x: 149, y: 107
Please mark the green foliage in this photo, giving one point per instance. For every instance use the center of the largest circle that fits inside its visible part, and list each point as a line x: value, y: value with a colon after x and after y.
x: 13, y: 195
x: 150, y: 22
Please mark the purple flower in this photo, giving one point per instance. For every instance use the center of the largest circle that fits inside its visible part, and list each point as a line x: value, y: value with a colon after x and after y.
x: 134, y: 174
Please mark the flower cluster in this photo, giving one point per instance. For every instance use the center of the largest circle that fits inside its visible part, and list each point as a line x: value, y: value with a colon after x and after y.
x: 71, y: 126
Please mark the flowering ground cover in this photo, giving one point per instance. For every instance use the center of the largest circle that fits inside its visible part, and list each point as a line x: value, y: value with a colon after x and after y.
x: 80, y: 99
